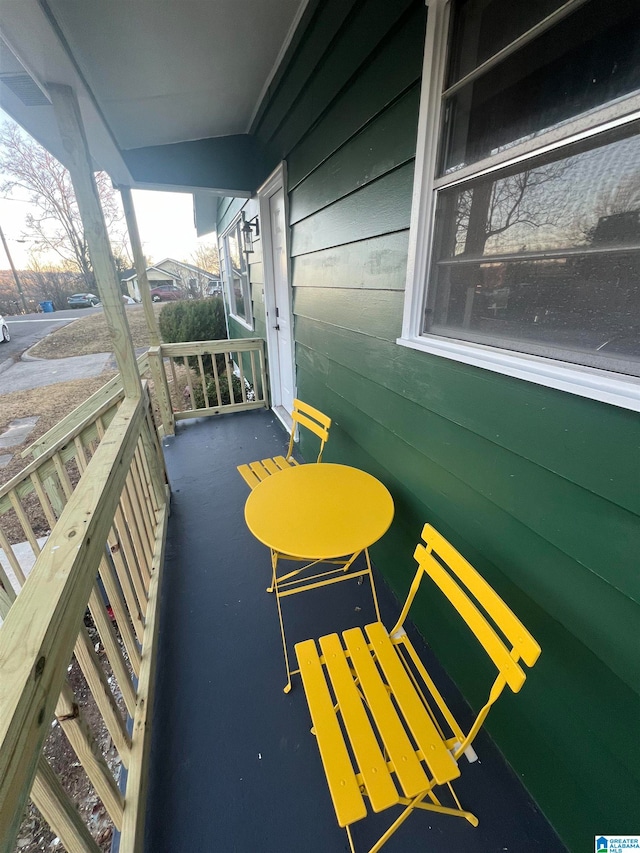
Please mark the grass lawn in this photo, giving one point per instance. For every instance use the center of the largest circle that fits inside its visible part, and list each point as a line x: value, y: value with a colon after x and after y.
x: 91, y: 335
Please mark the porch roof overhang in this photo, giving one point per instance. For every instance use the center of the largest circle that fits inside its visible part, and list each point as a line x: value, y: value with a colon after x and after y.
x: 168, y: 90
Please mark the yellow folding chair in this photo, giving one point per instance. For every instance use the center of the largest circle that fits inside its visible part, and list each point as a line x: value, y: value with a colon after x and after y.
x: 302, y: 415
x: 383, y: 728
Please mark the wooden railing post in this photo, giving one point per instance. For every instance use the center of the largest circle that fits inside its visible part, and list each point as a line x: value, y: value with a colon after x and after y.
x: 161, y: 387
x: 78, y: 161
x: 140, y: 265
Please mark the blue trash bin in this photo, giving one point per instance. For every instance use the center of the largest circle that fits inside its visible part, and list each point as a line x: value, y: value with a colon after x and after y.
x: 47, y: 306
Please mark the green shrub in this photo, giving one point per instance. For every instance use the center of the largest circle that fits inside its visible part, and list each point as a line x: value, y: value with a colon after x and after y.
x: 193, y: 320
x: 198, y: 394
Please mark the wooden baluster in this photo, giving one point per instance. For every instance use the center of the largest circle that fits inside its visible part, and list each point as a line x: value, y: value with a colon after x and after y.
x: 100, y: 617
x: 136, y: 529
x: 216, y: 378
x: 11, y: 557
x: 99, y: 686
x: 185, y: 362
x: 123, y: 551
x: 177, y: 402
x: 81, y: 738
x: 204, y: 382
x: 63, y: 476
x: 144, y: 501
x: 128, y: 554
x: 263, y: 377
x: 24, y: 522
x: 146, y: 470
x: 126, y: 614
x: 254, y: 383
x: 229, y: 360
x: 155, y: 460
x: 57, y: 808
x: 43, y: 497
x: 243, y: 384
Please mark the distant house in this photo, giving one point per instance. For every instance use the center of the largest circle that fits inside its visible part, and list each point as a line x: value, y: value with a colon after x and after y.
x: 194, y: 280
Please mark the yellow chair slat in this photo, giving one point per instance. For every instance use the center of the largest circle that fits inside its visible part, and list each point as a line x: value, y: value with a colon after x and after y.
x: 401, y: 752
x: 271, y: 466
x: 341, y: 779
x: 477, y: 622
x: 282, y: 463
x: 321, y: 431
x: 299, y: 406
x: 502, y: 615
x: 437, y: 756
x: 380, y: 787
x: 259, y: 470
x: 248, y: 476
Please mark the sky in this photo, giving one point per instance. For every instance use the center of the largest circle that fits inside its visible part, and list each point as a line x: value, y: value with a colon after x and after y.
x: 165, y: 222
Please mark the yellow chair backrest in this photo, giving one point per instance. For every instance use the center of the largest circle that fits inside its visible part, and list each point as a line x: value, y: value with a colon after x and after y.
x: 478, y: 604
x: 314, y: 420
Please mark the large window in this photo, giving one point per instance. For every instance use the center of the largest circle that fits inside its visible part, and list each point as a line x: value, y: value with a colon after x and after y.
x: 529, y: 221
x: 236, y: 273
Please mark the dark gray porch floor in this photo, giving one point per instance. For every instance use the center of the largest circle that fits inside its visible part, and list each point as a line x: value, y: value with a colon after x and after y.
x: 233, y: 764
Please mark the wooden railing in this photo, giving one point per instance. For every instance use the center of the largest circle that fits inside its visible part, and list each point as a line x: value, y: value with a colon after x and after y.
x: 213, y: 377
x: 102, y: 490
x: 189, y: 379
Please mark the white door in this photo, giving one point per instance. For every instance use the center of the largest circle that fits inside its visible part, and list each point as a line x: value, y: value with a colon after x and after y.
x: 278, y: 302
x: 274, y: 235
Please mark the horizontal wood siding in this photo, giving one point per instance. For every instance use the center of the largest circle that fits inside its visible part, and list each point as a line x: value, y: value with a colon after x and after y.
x: 538, y: 488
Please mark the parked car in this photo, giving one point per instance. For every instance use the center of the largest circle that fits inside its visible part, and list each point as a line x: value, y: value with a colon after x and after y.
x: 167, y: 293
x: 83, y: 300
x: 5, y: 329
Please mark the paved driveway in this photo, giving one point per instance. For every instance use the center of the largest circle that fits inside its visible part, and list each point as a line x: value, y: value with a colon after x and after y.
x: 27, y: 329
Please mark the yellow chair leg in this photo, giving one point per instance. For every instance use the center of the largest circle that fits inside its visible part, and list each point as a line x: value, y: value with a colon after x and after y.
x: 274, y: 563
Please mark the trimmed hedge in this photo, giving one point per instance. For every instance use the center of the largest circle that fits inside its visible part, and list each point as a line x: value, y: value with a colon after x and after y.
x: 193, y: 320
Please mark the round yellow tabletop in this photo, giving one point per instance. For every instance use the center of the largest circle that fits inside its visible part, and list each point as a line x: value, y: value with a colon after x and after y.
x: 319, y: 511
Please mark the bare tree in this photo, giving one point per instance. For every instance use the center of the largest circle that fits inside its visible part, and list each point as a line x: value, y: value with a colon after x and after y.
x: 206, y: 257
x: 493, y: 207
x: 55, y: 225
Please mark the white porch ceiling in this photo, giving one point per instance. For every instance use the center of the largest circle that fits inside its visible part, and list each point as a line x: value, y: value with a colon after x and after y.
x: 146, y: 72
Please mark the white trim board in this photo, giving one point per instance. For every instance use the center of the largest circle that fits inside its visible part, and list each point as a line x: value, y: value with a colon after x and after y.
x: 602, y: 385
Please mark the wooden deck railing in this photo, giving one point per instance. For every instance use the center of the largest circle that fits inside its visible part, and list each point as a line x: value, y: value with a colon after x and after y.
x: 192, y: 379
x: 95, y: 489
x: 213, y: 377
x: 102, y: 490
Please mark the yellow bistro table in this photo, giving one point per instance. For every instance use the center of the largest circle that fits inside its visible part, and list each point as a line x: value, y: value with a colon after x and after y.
x: 318, y: 514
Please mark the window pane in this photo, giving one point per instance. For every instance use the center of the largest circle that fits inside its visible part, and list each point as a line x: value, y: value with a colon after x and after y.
x: 588, y: 59
x: 545, y: 260
x: 589, y: 200
x: 238, y: 274
x: 483, y: 27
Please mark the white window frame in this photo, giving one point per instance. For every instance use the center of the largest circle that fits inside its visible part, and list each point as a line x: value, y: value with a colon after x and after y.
x: 595, y: 383
x: 247, y: 323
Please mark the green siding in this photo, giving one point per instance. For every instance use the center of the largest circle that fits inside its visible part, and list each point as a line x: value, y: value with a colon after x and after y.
x: 537, y: 487
x: 376, y: 264
x: 360, y: 162
x: 381, y: 206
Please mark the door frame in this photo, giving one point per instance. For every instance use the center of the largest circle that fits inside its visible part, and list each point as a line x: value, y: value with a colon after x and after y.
x: 275, y: 182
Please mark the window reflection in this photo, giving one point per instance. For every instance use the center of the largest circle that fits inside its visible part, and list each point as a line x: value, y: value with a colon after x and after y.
x: 588, y: 59
x: 546, y: 259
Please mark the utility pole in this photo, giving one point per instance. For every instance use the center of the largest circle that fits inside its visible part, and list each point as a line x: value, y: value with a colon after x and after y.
x: 14, y: 271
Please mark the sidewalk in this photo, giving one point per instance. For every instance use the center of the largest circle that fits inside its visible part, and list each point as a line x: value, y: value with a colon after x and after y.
x: 34, y: 373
